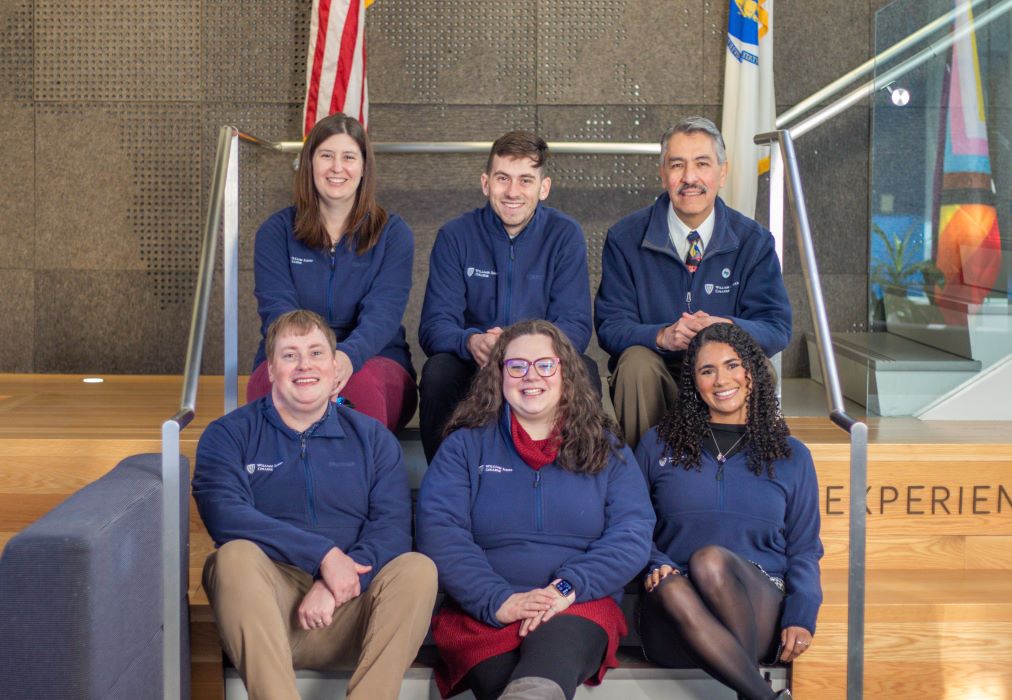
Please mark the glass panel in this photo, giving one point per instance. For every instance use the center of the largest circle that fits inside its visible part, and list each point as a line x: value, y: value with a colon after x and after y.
x: 941, y: 204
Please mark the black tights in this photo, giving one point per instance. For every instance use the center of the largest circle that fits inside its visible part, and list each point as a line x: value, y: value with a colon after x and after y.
x: 567, y: 649
x: 723, y: 617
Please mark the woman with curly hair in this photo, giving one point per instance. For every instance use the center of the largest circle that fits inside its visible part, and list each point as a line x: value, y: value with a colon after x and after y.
x: 734, y: 573
x: 536, y: 516
x: 337, y: 252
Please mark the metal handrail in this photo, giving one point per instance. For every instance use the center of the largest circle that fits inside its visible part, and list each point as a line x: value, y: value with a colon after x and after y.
x: 175, y: 571
x: 785, y: 118
x: 857, y: 430
x: 614, y: 148
x: 869, y: 88
x: 786, y: 159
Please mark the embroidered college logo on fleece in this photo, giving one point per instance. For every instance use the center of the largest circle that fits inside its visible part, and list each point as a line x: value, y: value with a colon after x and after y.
x: 478, y: 272
x: 260, y: 467
x: 494, y: 469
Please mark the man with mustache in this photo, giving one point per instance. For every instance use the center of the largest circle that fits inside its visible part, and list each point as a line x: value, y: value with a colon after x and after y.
x: 685, y: 262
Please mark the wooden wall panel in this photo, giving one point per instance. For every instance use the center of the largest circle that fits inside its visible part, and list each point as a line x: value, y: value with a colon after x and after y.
x: 907, y: 552
x: 926, y: 504
x: 988, y: 552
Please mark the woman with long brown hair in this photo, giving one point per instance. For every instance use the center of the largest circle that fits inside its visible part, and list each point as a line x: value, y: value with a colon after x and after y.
x: 536, y: 516
x: 337, y: 252
x: 734, y: 573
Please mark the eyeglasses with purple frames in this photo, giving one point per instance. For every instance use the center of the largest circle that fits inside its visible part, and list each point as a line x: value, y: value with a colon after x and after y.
x: 518, y: 367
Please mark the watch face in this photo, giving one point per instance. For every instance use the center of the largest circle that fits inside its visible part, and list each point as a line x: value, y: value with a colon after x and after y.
x: 564, y: 587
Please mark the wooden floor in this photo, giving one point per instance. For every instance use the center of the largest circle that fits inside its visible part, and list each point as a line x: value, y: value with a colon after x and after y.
x: 939, y: 601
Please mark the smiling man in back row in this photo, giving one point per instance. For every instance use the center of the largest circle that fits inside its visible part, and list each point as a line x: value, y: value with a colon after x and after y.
x: 685, y: 262
x: 512, y: 260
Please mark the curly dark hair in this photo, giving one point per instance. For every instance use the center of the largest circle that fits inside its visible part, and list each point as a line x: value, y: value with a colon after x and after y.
x: 588, y: 436
x: 682, y: 428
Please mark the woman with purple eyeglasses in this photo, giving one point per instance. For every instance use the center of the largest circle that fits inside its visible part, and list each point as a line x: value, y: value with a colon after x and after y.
x: 536, y: 516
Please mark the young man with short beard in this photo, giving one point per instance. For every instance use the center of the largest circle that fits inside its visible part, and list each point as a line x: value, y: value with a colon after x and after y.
x: 512, y: 260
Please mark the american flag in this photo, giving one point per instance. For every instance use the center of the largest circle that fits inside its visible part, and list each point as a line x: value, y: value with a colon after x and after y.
x: 335, y: 63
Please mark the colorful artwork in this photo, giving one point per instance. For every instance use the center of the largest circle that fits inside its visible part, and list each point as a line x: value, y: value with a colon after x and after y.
x: 968, y: 246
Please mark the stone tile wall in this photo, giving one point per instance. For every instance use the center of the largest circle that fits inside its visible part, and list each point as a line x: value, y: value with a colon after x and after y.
x: 109, y: 113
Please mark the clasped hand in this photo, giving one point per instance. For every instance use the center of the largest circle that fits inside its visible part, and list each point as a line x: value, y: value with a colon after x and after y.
x: 480, y: 345
x: 679, y: 334
x: 654, y: 578
x: 338, y: 583
x: 534, y: 607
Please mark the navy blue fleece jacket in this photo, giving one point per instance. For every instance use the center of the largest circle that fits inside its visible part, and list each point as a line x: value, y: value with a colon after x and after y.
x: 479, y: 279
x: 646, y: 286
x: 341, y: 483
x: 495, y: 527
x: 772, y: 522
x: 362, y: 297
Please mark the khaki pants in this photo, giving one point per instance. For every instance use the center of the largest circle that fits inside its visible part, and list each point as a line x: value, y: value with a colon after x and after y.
x: 255, y: 601
x: 643, y: 387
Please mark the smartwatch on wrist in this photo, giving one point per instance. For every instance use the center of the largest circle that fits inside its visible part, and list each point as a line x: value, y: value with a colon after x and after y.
x: 564, y: 587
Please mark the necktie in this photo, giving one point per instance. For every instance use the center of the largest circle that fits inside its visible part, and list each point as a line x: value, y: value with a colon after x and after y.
x: 695, y: 253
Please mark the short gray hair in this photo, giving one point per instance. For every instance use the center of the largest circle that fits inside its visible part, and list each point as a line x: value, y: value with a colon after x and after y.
x: 696, y: 125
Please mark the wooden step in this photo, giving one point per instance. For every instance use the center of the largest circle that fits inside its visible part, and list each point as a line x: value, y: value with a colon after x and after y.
x: 889, y: 374
x: 890, y: 352
x: 630, y: 682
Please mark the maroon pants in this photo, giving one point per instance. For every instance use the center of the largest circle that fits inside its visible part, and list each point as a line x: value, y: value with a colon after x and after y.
x: 381, y: 389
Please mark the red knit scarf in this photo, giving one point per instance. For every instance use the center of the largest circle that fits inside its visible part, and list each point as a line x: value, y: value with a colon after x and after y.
x: 536, y: 453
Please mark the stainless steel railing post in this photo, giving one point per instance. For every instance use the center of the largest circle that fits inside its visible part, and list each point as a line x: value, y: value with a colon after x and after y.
x: 175, y: 571
x: 230, y: 282
x: 857, y: 430
x: 171, y: 587
x: 856, y: 566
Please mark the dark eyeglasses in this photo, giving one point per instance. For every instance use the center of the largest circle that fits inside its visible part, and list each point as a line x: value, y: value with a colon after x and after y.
x: 544, y: 366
